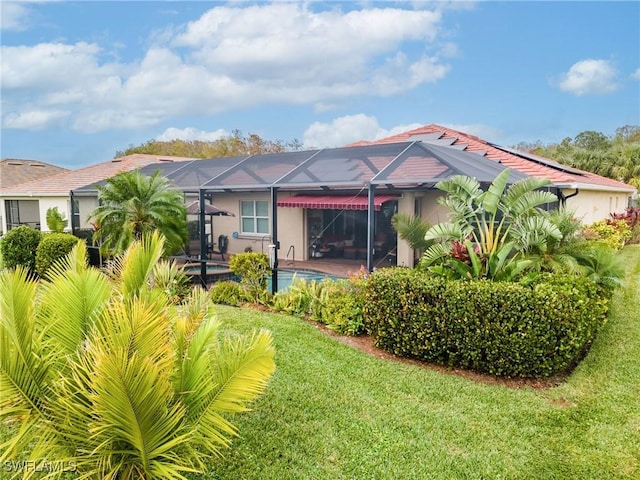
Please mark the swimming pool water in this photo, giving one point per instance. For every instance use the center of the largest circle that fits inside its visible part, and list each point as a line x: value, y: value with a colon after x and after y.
x: 285, y: 278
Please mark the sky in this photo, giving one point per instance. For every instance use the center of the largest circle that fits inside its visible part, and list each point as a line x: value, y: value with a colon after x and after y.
x: 83, y: 80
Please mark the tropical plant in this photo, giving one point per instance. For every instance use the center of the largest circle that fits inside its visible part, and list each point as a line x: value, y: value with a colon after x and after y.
x: 55, y: 221
x: 19, y: 247
x: 252, y: 268
x: 117, y: 380
x: 412, y: 230
x: 132, y: 204
x: 53, y: 247
x: 495, y: 227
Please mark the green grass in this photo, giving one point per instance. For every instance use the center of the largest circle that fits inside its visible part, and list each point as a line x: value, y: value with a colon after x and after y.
x: 333, y: 412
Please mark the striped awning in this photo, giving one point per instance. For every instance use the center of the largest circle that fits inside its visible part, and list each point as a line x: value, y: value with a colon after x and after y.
x: 334, y: 202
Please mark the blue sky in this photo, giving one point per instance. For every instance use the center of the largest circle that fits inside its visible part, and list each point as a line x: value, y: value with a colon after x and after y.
x: 82, y: 80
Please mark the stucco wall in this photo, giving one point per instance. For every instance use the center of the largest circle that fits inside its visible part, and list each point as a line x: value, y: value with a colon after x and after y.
x: 591, y: 205
x: 51, y: 202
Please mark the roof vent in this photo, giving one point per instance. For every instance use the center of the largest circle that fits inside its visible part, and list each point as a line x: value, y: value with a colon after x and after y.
x: 116, y: 160
x: 165, y: 160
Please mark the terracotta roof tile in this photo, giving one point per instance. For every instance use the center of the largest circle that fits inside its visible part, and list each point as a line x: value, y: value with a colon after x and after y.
x: 14, y: 171
x: 64, y: 182
x: 522, y: 162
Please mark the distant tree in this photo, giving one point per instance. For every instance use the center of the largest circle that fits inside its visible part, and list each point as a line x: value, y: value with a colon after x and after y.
x: 233, y: 145
x: 592, y: 140
x: 595, y: 152
x: 132, y: 204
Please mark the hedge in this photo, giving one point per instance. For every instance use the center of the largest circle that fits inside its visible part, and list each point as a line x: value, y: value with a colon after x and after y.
x: 500, y: 328
x: 52, y: 247
x: 19, y: 247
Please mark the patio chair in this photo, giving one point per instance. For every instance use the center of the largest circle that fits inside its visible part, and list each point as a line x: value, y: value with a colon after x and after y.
x: 223, y: 244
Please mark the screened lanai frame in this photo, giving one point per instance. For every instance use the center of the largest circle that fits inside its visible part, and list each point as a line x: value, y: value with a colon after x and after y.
x: 389, y: 168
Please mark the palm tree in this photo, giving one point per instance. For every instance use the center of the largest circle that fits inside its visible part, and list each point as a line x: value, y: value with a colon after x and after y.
x: 412, y: 230
x: 132, y: 204
x: 117, y: 381
x: 490, y: 228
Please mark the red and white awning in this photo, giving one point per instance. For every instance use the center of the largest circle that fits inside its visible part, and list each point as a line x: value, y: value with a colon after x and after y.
x: 334, y: 202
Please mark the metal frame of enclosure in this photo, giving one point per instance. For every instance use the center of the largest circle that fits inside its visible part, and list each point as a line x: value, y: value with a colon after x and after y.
x: 373, y: 169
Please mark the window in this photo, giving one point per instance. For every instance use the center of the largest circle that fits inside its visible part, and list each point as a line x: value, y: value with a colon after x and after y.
x: 254, y: 216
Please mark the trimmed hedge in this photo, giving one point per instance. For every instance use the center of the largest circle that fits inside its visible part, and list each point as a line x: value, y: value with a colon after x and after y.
x: 19, y: 247
x: 52, y: 247
x: 500, y: 328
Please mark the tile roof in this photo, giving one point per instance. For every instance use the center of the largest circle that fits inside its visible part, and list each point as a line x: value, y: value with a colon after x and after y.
x: 62, y: 183
x: 523, y: 162
x: 14, y: 171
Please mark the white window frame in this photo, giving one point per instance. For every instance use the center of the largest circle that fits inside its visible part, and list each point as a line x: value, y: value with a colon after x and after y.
x: 254, y: 218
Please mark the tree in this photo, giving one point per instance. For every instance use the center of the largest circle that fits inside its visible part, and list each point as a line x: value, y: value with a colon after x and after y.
x: 118, y: 381
x: 233, y: 145
x: 55, y: 221
x: 490, y: 230
x: 592, y: 140
x: 132, y: 204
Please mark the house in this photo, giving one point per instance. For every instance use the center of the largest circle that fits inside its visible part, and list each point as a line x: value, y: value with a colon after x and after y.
x: 336, y: 202
x: 592, y: 196
x: 14, y: 171
x: 26, y: 202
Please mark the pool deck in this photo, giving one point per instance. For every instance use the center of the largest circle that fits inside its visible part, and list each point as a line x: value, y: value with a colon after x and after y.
x: 332, y: 266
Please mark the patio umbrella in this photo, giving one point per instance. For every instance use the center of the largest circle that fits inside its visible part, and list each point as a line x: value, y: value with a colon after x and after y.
x: 193, y: 208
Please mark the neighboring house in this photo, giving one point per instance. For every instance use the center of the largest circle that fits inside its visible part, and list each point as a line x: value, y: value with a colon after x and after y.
x: 14, y: 171
x: 26, y: 203
x: 591, y: 196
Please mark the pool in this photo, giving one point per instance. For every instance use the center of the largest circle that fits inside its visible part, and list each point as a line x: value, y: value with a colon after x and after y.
x: 285, y: 277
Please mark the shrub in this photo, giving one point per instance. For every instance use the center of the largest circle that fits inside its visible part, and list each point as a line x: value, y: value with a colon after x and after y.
x: 343, y: 308
x: 170, y: 278
x: 493, y: 327
x: 19, y: 247
x: 53, y: 247
x: 302, y: 298
x: 252, y: 268
x: 615, y: 233
x: 227, y: 293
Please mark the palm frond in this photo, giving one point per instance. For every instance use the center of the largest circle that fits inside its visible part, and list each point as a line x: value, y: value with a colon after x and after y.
x: 135, y: 267
x: 411, y: 229
x: 491, y: 198
x: 445, y: 232
x: 434, y: 254
x: 24, y: 368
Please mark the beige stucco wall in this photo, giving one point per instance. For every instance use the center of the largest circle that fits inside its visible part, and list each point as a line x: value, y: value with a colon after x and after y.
x: 291, y: 226
x: 592, y: 205
x: 423, y: 204
x: 51, y: 202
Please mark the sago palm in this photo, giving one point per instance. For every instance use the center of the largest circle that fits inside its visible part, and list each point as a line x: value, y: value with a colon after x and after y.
x: 132, y: 204
x: 116, y: 380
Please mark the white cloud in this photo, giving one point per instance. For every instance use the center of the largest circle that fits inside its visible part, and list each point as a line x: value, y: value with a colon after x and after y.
x: 349, y: 129
x: 589, y: 77
x: 636, y: 75
x: 232, y: 57
x: 191, y: 134
x: 34, y: 119
x: 14, y: 16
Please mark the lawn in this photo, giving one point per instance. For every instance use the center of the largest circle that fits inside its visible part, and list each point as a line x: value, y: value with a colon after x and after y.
x: 334, y: 412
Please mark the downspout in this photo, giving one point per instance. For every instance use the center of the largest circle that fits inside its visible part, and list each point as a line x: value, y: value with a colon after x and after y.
x: 73, y: 213
x: 203, y: 240
x: 370, y: 227
x: 563, y: 198
x: 275, y: 244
